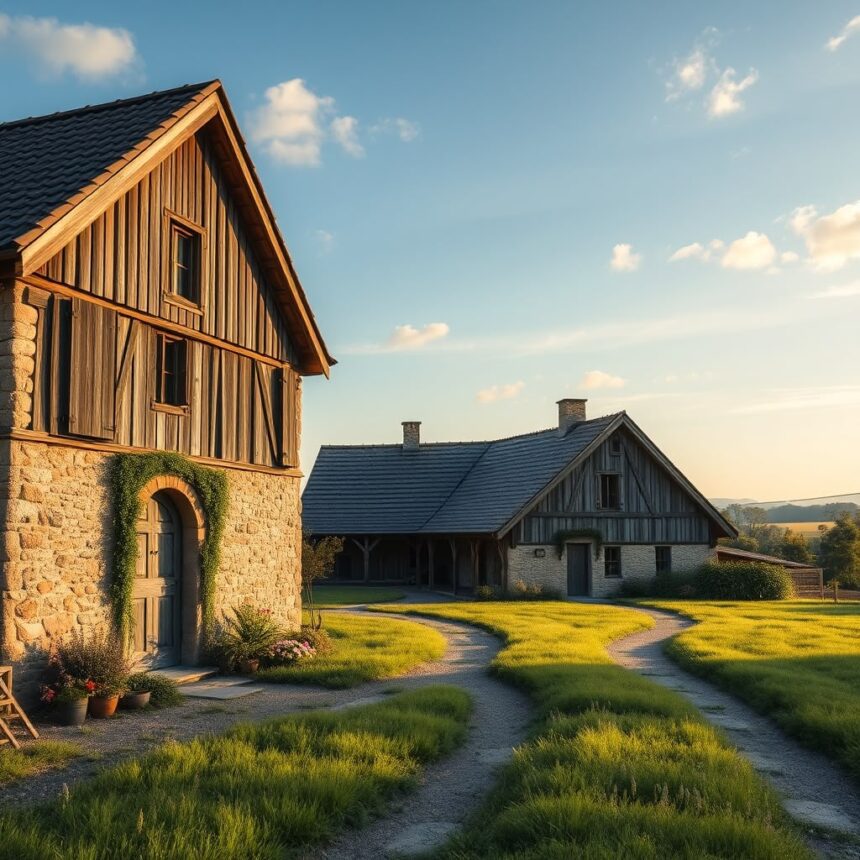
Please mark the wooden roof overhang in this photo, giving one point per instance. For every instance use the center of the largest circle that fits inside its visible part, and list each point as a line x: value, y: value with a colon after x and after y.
x: 623, y: 419
x: 207, y: 108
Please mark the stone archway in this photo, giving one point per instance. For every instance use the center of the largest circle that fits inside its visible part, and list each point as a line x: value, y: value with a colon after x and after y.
x: 184, y: 499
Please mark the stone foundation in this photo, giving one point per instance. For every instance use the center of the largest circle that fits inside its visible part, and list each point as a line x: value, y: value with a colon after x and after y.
x: 638, y: 563
x: 55, y: 549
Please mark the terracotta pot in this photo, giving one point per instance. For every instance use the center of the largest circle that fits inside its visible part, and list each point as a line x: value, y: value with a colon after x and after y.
x: 135, y: 700
x: 103, y: 706
x: 72, y: 713
x: 249, y: 667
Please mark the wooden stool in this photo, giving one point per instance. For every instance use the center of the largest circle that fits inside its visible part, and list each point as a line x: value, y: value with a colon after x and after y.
x: 11, y: 710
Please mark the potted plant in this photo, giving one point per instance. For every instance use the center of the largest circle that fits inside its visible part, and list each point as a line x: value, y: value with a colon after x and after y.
x: 70, y: 702
x: 247, y: 637
x: 96, y: 664
x: 138, y: 694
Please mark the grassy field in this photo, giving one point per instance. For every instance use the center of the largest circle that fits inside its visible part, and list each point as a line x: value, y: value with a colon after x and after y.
x: 798, y: 661
x: 808, y: 530
x: 617, y: 766
x: 268, y: 790
x: 365, y: 649
x: 34, y: 758
x: 350, y: 595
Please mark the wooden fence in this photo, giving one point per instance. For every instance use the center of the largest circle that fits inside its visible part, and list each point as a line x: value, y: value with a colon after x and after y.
x: 808, y: 581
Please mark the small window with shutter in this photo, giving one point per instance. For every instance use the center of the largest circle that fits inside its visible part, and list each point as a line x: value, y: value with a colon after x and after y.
x: 610, y: 492
x: 171, y: 389
x: 184, y: 249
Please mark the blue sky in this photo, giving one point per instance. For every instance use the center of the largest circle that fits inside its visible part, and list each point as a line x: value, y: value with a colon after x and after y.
x: 493, y: 205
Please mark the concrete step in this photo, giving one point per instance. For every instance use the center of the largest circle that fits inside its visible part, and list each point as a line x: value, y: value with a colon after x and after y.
x: 186, y: 674
x: 220, y: 688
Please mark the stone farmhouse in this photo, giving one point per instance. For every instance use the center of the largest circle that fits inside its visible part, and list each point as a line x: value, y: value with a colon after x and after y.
x: 576, y: 509
x: 153, y: 336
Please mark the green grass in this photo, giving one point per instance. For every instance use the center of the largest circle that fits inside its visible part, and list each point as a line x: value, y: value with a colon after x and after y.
x: 34, y: 758
x: 617, y: 766
x: 365, y: 649
x: 797, y: 661
x: 350, y: 595
x: 267, y: 790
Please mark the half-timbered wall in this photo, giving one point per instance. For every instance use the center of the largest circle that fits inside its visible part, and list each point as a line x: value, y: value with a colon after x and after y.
x: 123, y: 255
x: 95, y: 378
x: 654, y: 507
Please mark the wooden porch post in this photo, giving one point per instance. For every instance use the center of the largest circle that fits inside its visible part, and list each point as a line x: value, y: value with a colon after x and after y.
x: 366, y: 548
x: 503, y: 559
x: 431, y: 572
x: 475, y: 549
x: 453, y: 544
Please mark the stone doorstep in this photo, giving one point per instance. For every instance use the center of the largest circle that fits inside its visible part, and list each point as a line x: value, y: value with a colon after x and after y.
x: 211, y: 691
x: 185, y: 674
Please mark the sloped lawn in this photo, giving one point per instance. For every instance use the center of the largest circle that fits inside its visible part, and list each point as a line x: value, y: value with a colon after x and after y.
x: 351, y: 595
x: 797, y: 661
x: 365, y: 649
x: 269, y: 790
x: 617, y: 766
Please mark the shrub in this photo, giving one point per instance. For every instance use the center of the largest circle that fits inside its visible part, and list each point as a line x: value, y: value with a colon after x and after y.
x: 248, y: 635
x: 97, y: 664
x: 662, y: 585
x: 533, y: 591
x: 318, y: 639
x: 285, y: 652
x: 743, y: 580
x: 485, y: 592
x: 164, y: 692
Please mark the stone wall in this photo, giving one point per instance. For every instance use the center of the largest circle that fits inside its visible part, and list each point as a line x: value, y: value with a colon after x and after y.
x: 56, y: 548
x: 638, y: 562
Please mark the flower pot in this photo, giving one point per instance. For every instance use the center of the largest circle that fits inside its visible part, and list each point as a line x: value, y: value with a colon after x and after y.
x: 72, y: 713
x: 103, y: 706
x: 135, y: 700
x: 249, y: 667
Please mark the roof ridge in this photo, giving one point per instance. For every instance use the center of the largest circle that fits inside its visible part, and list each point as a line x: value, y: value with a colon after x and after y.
x: 47, y: 117
x: 610, y: 416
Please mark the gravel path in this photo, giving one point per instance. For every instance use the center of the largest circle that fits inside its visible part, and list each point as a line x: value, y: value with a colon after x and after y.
x: 815, y: 791
x: 449, y: 790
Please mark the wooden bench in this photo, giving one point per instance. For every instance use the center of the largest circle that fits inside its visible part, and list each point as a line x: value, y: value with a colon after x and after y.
x: 11, y: 710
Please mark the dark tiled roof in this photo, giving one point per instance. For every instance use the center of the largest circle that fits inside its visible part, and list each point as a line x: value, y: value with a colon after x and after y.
x: 457, y: 487
x: 46, y: 160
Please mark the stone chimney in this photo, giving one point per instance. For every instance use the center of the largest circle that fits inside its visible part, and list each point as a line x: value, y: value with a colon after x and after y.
x: 411, y: 435
x: 570, y: 412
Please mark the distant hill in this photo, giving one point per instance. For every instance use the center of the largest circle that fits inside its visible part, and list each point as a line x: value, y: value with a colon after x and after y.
x: 800, y: 510
x: 719, y: 504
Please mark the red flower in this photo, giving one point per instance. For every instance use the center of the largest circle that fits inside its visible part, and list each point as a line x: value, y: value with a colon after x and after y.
x: 90, y: 686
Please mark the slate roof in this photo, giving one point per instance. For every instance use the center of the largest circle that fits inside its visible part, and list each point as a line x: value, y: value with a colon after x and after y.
x: 46, y: 160
x: 442, y: 488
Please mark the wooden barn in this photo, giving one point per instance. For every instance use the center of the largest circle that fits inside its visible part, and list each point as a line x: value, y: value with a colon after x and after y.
x: 148, y: 305
x: 575, y: 509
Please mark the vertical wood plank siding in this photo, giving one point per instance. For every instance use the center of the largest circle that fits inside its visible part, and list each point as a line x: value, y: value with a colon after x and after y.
x: 96, y: 379
x: 654, y: 507
x: 123, y: 255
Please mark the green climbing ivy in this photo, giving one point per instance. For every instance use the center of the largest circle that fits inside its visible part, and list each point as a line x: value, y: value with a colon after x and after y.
x: 129, y: 474
x: 562, y: 537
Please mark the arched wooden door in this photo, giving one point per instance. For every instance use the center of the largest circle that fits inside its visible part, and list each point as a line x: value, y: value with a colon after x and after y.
x: 157, y: 585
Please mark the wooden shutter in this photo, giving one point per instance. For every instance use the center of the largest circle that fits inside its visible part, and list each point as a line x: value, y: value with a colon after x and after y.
x: 289, y: 440
x: 92, y: 370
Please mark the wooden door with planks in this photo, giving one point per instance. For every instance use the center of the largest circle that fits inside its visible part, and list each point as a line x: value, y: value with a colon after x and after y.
x: 158, y: 585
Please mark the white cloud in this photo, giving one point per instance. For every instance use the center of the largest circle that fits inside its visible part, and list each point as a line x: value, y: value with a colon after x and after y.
x: 834, y: 43
x: 500, y: 392
x: 595, y: 379
x: 724, y: 98
x: 688, y: 74
x: 841, y: 291
x: 831, y: 240
x: 409, y: 337
x: 694, y: 251
x: 84, y: 50
x: 289, y: 124
x: 405, y: 129
x: 325, y: 240
x: 624, y: 259
x: 789, y: 257
x: 344, y: 129
x: 753, y: 251
x: 803, y: 399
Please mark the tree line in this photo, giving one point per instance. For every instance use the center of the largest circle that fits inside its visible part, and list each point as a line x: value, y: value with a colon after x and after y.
x: 836, y: 549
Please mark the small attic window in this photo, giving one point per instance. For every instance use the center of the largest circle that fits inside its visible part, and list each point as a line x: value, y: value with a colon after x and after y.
x: 185, y: 262
x: 615, y: 446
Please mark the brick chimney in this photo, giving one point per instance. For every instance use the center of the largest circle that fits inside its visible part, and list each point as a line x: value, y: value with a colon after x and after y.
x: 411, y: 435
x: 570, y: 412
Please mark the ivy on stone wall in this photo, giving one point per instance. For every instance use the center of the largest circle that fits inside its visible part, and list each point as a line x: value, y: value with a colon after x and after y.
x: 560, y: 538
x: 129, y: 474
